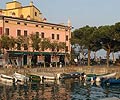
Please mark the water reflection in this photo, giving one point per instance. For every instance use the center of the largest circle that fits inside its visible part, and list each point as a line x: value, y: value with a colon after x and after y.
x: 70, y: 89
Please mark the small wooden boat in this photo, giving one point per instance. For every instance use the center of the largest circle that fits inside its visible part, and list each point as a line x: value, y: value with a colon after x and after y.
x: 111, y: 98
x: 20, y: 77
x: 65, y: 76
x: 34, y: 78
x: 109, y: 75
x: 49, y: 77
x: 6, y: 78
x: 112, y: 81
x: 94, y: 77
x: 70, y: 75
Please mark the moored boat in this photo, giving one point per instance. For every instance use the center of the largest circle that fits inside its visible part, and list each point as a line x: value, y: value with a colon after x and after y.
x: 6, y: 78
x: 94, y: 77
x: 112, y: 81
x: 34, y: 78
x: 49, y: 77
x: 20, y: 77
x: 109, y: 75
x: 70, y: 75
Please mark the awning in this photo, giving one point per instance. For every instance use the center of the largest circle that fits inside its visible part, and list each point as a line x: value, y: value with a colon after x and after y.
x: 20, y: 53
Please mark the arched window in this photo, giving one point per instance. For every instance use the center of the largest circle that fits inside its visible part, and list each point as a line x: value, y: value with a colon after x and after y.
x: 13, y: 14
x: 21, y: 16
x: 28, y: 17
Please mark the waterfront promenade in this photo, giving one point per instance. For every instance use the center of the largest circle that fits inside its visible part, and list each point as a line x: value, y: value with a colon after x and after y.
x: 52, y: 71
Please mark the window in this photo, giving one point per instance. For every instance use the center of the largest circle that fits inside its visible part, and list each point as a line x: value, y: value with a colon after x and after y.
x: 21, y: 16
x: 53, y: 49
x: 42, y: 49
x: 25, y: 23
x: 18, y: 46
x: 57, y: 49
x: 25, y: 47
x: 35, y: 13
x: 66, y: 49
x: 57, y: 36
x: 42, y: 26
x: 53, y: 36
x: 36, y: 25
x: 66, y: 37
x: 37, y: 34
x: 6, y: 31
x: 57, y: 28
x: 18, y: 22
x: 25, y: 33
x: 6, y: 21
x: 18, y: 32
x: 52, y: 27
x: 42, y: 35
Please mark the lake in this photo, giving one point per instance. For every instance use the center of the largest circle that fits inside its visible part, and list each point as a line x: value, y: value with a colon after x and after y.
x: 70, y: 89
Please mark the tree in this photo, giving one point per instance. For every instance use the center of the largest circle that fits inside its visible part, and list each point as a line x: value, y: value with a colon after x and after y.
x: 20, y: 42
x: 35, y: 44
x: 85, y: 39
x: 107, y: 41
x: 12, y: 42
x: 45, y: 44
x: 4, y: 42
x: 35, y: 41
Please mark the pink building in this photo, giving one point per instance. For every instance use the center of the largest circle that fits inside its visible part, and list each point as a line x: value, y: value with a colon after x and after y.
x: 16, y: 25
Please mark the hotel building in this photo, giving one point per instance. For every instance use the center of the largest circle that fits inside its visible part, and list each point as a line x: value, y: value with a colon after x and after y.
x: 16, y: 20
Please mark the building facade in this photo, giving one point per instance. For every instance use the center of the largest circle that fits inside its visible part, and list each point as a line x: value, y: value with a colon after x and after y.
x: 17, y: 20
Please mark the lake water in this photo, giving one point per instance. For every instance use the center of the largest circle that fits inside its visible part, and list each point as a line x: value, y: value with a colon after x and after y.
x: 57, y: 90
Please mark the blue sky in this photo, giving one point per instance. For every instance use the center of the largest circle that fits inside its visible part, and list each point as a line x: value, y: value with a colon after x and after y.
x: 80, y: 12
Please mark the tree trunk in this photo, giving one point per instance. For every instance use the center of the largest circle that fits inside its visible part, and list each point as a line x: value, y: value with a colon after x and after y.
x: 89, y: 57
x: 108, y: 54
x: 113, y: 57
x: 95, y: 57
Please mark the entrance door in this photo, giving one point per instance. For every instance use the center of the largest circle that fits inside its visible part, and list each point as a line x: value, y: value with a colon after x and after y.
x: 25, y: 60
x: 34, y: 60
x: 47, y: 60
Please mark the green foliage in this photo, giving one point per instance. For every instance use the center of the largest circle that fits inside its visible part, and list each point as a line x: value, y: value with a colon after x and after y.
x: 35, y: 41
x: 104, y: 37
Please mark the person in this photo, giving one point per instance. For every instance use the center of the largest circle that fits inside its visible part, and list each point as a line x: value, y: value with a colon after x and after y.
x: 83, y: 76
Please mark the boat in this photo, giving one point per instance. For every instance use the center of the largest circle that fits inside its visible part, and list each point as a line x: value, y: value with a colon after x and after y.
x: 112, y: 81
x: 110, y: 98
x: 90, y: 77
x: 94, y: 77
x: 20, y: 77
x: 108, y: 75
x: 70, y: 75
x: 6, y: 78
x: 49, y: 77
x: 34, y: 78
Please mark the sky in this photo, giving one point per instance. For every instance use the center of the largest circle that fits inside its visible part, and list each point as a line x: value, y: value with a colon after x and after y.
x: 80, y: 12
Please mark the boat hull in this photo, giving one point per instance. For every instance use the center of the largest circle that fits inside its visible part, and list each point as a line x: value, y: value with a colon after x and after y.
x: 6, y: 78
